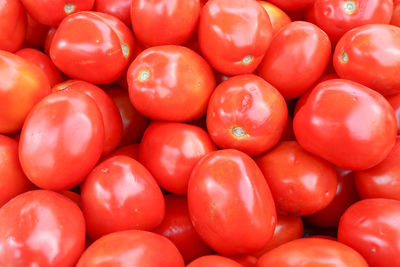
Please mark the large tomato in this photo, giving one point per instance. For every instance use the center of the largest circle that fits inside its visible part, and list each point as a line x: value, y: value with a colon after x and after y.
x: 12, y: 25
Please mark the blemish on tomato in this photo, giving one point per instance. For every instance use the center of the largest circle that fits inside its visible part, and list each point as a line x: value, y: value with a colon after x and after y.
x: 144, y: 75
x: 350, y: 7
x: 69, y: 8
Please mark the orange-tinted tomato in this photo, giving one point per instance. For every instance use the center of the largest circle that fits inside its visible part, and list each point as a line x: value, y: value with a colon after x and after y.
x: 12, y: 25
x: 276, y: 15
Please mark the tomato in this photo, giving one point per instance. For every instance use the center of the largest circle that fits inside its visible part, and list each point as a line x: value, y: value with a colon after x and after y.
x: 177, y: 227
x: 288, y: 134
x: 35, y: 32
x: 246, y: 113
x: 75, y: 197
x: 41, y: 228
x: 394, y: 101
x: 61, y: 140
x: 164, y: 22
x: 171, y: 150
x: 118, y: 8
x: 170, y: 83
x: 230, y: 204
x: 131, y: 248
x: 370, y: 55
x: 296, y: 58
x: 52, y: 12
x: 347, y: 124
x: 131, y: 150
x: 245, y: 260
x: 276, y: 15
x: 49, y: 38
x: 22, y: 86
x: 12, y: 25
x: 92, y: 46
x: 234, y: 35
x: 292, y: 4
x: 215, y: 261
x: 396, y: 14
x: 310, y: 252
x: 371, y: 227
x: 109, y: 111
x: 120, y: 194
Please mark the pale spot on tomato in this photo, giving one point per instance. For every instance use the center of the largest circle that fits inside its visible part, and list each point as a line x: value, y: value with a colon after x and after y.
x: 344, y: 57
x: 69, y: 8
x: 144, y: 75
x: 350, y: 7
x: 239, y: 132
x: 246, y: 60
x: 125, y: 50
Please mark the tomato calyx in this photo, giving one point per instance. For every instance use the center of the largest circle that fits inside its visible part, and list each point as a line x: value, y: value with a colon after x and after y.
x: 239, y: 132
x: 144, y: 75
x: 246, y: 60
x: 344, y: 58
x: 69, y: 8
x: 350, y: 7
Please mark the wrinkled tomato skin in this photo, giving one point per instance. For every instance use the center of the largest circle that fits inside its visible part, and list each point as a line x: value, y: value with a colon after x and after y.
x: 347, y: 124
x: 230, y: 204
x: 293, y: 4
x: 117, y: 8
x: 234, y: 35
x: 277, y: 16
x: 215, y: 261
x: 375, y: 65
x: 12, y: 25
x: 371, y: 226
x: 35, y: 32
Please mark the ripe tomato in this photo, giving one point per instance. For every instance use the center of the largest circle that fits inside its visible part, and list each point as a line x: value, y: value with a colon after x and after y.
x: 215, y: 261
x: 131, y: 150
x: 171, y: 150
x: 131, y: 248
x: 370, y: 55
x: 49, y: 38
x: 164, y: 22
x: 12, y: 25
x: 293, y: 4
x: 347, y: 124
x: 234, y: 35
x: 170, y: 83
x: 245, y: 260
x: 311, y: 252
x: 61, y: 140
x: 396, y: 14
x: 276, y: 15
x: 230, y: 204
x: 371, y: 227
x: 394, y: 101
x: 92, y: 46
x: 41, y: 228
x: 75, y: 197
x: 246, y: 113
x: 35, y: 32
x: 118, y: 8
x: 22, y: 86
x: 296, y: 58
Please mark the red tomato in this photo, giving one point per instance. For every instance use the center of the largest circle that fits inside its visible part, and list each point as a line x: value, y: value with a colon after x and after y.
x: 49, y: 39
x: 52, y: 12
x: 170, y: 83
x: 276, y: 15
x: 178, y: 228
x: 92, y: 46
x: 383, y: 180
x: 12, y: 25
x: 312, y: 252
x: 35, y: 32
x: 118, y: 8
x: 394, y: 101
x: 230, y: 204
x: 296, y: 58
x: 131, y: 248
x: 347, y: 124
x: 164, y: 22
x: 171, y: 150
x: 245, y: 260
x: 120, y: 194
x: 41, y: 228
x: 396, y: 14
x: 75, y: 197
x: 61, y: 140
x: 370, y: 55
x: 293, y: 4
x: 246, y: 113
x: 371, y: 227
x: 12, y: 179
x: 300, y: 182
x: 214, y: 261
x: 22, y: 86
x: 234, y: 35
x: 288, y: 134
x: 128, y: 150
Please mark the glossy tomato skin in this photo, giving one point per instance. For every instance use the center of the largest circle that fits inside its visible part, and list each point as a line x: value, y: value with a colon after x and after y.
x: 276, y: 15
x: 296, y: 58
x: 375, y: 65
x: 117, y: 8
x: 61, y: 140
x: 171, y: 150
x: 92, y: 46
x: 246, y: 113
x: 293, y: 4
x: 371, y: 227
x: 215, y: 261
x: 234, y: 35
x: 394, y: 101
x: 347, y: 124
x: 12, y: 25
x: 50, y: 230
x: 22, y: 86
x: 310, y: 252
x: 131, y: 150
x: 164, y: 22
x: 35, y: 32
x: 133, y: 247
x: 170, y: 83
x: 230, y: 204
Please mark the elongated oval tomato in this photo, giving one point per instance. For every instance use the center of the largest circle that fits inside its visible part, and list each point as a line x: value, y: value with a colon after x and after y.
x: 230, y: 204
x: 61, y: 140
x: 12, y: 25
x: 215, y: 261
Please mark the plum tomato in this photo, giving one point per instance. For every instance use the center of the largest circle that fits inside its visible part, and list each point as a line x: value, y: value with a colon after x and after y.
x: 12, y: 25
x: 394, y: 101
x: 293, y: 4
x: 118, y: 8
x: 35, y: 32
x: 131, y: 150
x: 276, y: 15
x: 214, y: 261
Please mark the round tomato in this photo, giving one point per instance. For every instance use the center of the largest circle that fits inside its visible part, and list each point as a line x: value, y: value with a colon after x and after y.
x: 118, y: 8
x: 75, y: 197
x: 35, y: 32
x: 394, y: 101
x: 293, y: 4
x: 12, y: 25
x: 276, y: 15
x: 131, y: 150
x: 396, y: 14
x: 214, y: 261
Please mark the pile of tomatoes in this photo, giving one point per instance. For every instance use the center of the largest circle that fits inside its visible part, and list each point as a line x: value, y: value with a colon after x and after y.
x: 207, y: 133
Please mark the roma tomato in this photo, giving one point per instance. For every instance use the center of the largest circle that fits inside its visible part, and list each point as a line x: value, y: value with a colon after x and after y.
x: 371, y: 227
x: 92, y: 46
x: 22, y: 86
x: 246, y: 113
x: 132, y: 248
x: 296, y: 58
x: 293, y: 4
x: 276, y: 15
x: 215, y: 261
x: 170, y: 83
x: 376, y: 64
x: 35, y: 32
x: 394, y: 101
x: 61, y: 140
x: 347, y: 124
x: 164, y: 22
x: 230, y: 204
x: 171, y: 150
x: 289, y: 170
x: 12, y: 25
x: 311, y: 252
x: 234, y: 35
x: 117, y: 8
x: 41, y: 228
